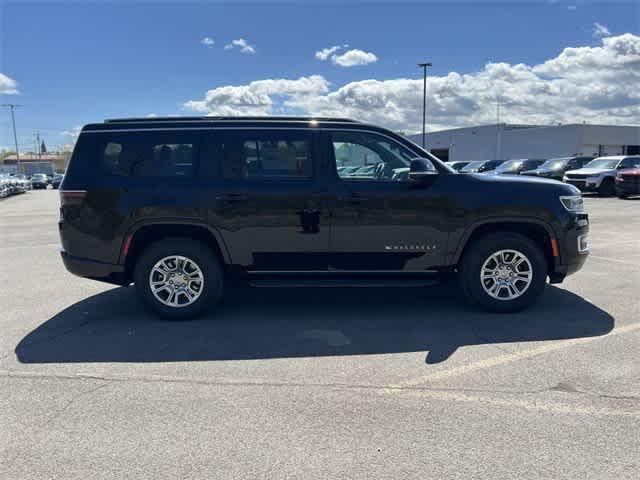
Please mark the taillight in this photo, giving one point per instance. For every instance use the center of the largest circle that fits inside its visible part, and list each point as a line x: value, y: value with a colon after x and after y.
x: 72, y: 197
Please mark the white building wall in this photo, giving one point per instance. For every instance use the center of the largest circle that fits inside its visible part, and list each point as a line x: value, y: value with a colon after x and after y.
x: 473, y: 143
x: 502, y: 141
x: 542, y: 142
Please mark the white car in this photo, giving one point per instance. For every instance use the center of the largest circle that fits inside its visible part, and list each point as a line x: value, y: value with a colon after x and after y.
x: 599, y: 174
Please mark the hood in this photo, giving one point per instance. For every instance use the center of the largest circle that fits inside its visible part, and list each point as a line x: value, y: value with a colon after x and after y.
x: 591, y: 171
x: 515, y: 179
x: 527, y: 188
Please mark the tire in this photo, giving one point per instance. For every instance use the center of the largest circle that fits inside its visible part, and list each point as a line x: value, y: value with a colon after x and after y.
x: 607, y: 187
x: 205, y: 293
x: 477, y: 259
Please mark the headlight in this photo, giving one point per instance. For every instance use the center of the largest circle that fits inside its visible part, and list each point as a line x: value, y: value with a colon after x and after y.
x: 573, y: 203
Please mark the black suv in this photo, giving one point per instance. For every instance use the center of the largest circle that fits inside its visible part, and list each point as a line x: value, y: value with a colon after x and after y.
x: 181, y: 206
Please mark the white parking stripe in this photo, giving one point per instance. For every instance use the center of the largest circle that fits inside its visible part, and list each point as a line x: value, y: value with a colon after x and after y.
x: 504, y: 359
x: 532, y: 405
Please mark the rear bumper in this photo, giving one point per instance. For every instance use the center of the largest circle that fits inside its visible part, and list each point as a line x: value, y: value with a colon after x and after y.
x: 84, y: 267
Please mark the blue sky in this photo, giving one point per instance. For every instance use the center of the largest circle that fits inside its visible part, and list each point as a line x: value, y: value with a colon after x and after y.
x: 76, y: 62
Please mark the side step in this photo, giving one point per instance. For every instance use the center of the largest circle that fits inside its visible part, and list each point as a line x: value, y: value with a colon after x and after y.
x: 358, y: 282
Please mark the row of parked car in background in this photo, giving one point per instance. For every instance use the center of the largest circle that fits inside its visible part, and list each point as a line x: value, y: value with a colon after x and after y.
x: 11, y: 184
x: 611, y: 175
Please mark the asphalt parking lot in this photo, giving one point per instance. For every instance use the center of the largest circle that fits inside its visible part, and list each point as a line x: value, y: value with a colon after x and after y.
x: 402, y: 383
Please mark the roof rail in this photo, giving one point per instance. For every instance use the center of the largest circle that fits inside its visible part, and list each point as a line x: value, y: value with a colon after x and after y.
x: 237, y: 118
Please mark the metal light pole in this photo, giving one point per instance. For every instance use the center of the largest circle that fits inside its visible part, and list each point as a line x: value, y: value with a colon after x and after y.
x: 424, y: 101
x: 12, y: 107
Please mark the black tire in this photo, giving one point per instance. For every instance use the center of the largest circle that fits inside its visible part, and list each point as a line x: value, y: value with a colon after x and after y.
x: 607, y: 187
x: 197, y: 252
x: 480, y: 250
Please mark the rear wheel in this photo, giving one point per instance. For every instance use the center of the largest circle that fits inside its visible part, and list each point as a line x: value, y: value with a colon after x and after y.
x: 178, y: 278
x: 503, y: 272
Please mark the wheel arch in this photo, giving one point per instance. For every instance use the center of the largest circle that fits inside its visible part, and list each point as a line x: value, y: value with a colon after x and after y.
x: 142, y: 235
x: 535, y: 229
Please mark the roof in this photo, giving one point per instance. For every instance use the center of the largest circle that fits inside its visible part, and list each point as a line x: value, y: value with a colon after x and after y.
x: 177, y: 123
x: 227, y: 118
x: 616, y: 157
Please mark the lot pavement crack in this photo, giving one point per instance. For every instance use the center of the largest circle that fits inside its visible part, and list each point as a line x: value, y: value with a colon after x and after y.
x: 218, y: 383
x: 84, y: 393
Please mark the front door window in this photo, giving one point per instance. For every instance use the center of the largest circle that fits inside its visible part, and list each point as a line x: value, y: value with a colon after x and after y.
x: 365, y: 156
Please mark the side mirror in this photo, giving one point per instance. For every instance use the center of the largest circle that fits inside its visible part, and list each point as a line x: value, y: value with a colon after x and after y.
x: 421, y: 169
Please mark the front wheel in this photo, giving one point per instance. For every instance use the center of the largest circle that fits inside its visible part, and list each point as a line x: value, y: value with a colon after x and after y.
x: 178, y: 278
x: 503, y: 272
x: 607, y: 187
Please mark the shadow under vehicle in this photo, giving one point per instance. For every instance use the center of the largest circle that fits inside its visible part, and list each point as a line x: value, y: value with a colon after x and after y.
x: 286, y: 323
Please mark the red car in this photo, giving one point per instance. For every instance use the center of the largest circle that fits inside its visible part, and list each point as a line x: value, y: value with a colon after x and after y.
x: 628, y: 182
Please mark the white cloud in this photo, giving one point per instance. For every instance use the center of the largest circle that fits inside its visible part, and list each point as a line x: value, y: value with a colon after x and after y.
x: 600, y: 30
x: 242, y: 44
x: 325, y: 53
x: 349, y: 58
x: 8, y: 85
x: 73, y: 132
x: 593, y: 84
x: 258, y: 97
x: 208, y: 42
x: 354, y: 57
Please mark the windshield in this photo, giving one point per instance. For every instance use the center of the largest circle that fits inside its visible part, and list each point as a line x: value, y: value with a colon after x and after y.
x: 554, y: 163
x: 510, y: 166
x: 472, y: 166
x: 602, y: 163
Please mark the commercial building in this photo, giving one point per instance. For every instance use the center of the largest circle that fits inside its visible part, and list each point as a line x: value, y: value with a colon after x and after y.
x: 506, y: 141
x: 31, y: 163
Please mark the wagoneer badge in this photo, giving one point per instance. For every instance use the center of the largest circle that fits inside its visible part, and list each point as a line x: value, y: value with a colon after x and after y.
x: 414, y: 248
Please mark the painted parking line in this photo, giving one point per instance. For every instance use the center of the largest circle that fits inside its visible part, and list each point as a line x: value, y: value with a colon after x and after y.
x: 503, y: 360
x: 607, y: 259
x: 540, y: 406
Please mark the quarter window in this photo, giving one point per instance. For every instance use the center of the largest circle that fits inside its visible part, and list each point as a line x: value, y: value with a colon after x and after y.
x: 150, y: 154
x: 367, y: 156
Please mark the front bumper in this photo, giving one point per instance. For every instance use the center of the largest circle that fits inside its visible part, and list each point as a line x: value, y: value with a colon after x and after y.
x: 571, y: 245
x: 586, y: 185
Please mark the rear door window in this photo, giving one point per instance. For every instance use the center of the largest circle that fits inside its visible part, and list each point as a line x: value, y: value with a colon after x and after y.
x: 266, y: 155
x: 150, y: 154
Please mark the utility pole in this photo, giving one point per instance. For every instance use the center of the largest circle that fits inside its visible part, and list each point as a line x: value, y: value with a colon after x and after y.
x: 12, y: 107
x: 424, y: 101
x: 39, y: 150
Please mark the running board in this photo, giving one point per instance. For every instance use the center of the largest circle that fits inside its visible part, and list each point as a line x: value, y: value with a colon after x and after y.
x: 340, y: 282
